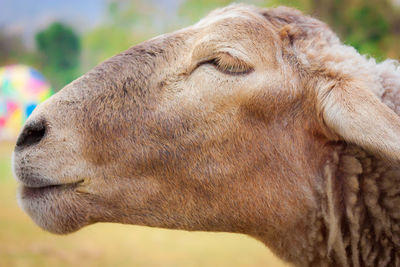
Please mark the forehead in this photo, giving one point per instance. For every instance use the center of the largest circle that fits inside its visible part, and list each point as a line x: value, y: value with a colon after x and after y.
x: 231, y: 13
x: 240, y: 28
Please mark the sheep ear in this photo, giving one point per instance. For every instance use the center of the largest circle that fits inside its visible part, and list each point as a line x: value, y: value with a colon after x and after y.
x: 354, y: 113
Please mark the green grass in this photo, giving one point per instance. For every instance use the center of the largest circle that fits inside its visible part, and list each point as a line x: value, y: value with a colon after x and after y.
x: 22, y: 243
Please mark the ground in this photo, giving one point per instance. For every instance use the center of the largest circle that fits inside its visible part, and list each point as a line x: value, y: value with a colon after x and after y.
x: 22, y: 243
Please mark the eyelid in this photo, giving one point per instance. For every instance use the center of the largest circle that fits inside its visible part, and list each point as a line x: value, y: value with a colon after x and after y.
x: 226, y: 63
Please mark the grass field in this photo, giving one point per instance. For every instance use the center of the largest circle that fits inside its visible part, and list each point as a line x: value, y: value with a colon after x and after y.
x: 22, y: 243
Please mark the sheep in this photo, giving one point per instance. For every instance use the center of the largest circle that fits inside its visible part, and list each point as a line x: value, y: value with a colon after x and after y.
x: 254, y: 121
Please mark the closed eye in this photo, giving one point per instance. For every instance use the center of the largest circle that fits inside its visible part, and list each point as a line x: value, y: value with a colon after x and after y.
x: 227, y: 64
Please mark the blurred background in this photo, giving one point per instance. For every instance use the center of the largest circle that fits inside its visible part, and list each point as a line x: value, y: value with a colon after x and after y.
x: 45, y: 44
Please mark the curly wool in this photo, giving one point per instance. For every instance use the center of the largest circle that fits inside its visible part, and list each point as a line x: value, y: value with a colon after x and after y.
x: 360, y: 209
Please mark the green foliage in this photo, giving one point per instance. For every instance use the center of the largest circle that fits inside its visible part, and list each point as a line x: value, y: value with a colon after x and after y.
x: 13, y: 51
x: 366, y: 30
x: 10, y: 47
x: 103, y: 43
x: 193, y: 10
x: 366, y: 25
x: 127, y: 24
x: 59, y: 47
x: 303, y: 5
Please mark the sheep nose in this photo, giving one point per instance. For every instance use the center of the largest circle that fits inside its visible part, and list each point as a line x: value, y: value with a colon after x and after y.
x: 32, y: 134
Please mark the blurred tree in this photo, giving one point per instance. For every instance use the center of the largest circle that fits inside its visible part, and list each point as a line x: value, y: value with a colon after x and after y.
x: 371, y: 26
x: 13, y: 51
x: 59, y: 47
x: 10, y: 47
x: 367, y: 28
x: 127, y: 23
x: 194, y: 10
x: 102, y: 43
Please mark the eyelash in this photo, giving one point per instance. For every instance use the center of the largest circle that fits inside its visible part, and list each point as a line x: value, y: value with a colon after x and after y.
x: 228, y: 69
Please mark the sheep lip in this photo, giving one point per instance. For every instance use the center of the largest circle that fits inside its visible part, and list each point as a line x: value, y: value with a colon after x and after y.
x: 51, y: 185
x: 31, y: 192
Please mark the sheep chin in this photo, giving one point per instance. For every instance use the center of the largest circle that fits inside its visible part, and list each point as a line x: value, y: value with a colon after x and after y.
x: 56, y: 209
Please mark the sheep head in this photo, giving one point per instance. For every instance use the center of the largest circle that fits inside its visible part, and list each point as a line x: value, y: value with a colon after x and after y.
x: 222, y: 126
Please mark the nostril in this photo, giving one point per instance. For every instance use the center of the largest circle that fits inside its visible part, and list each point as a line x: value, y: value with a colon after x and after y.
x: 32, y: 134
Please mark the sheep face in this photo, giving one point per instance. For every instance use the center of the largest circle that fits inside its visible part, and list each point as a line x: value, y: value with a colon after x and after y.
x: 172, y: 133
x: 214, y: 127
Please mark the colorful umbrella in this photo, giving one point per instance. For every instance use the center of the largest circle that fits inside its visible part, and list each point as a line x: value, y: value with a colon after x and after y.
x: 21, y: 89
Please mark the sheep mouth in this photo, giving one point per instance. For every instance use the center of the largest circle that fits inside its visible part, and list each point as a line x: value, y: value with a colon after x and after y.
x: 28, y: 192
